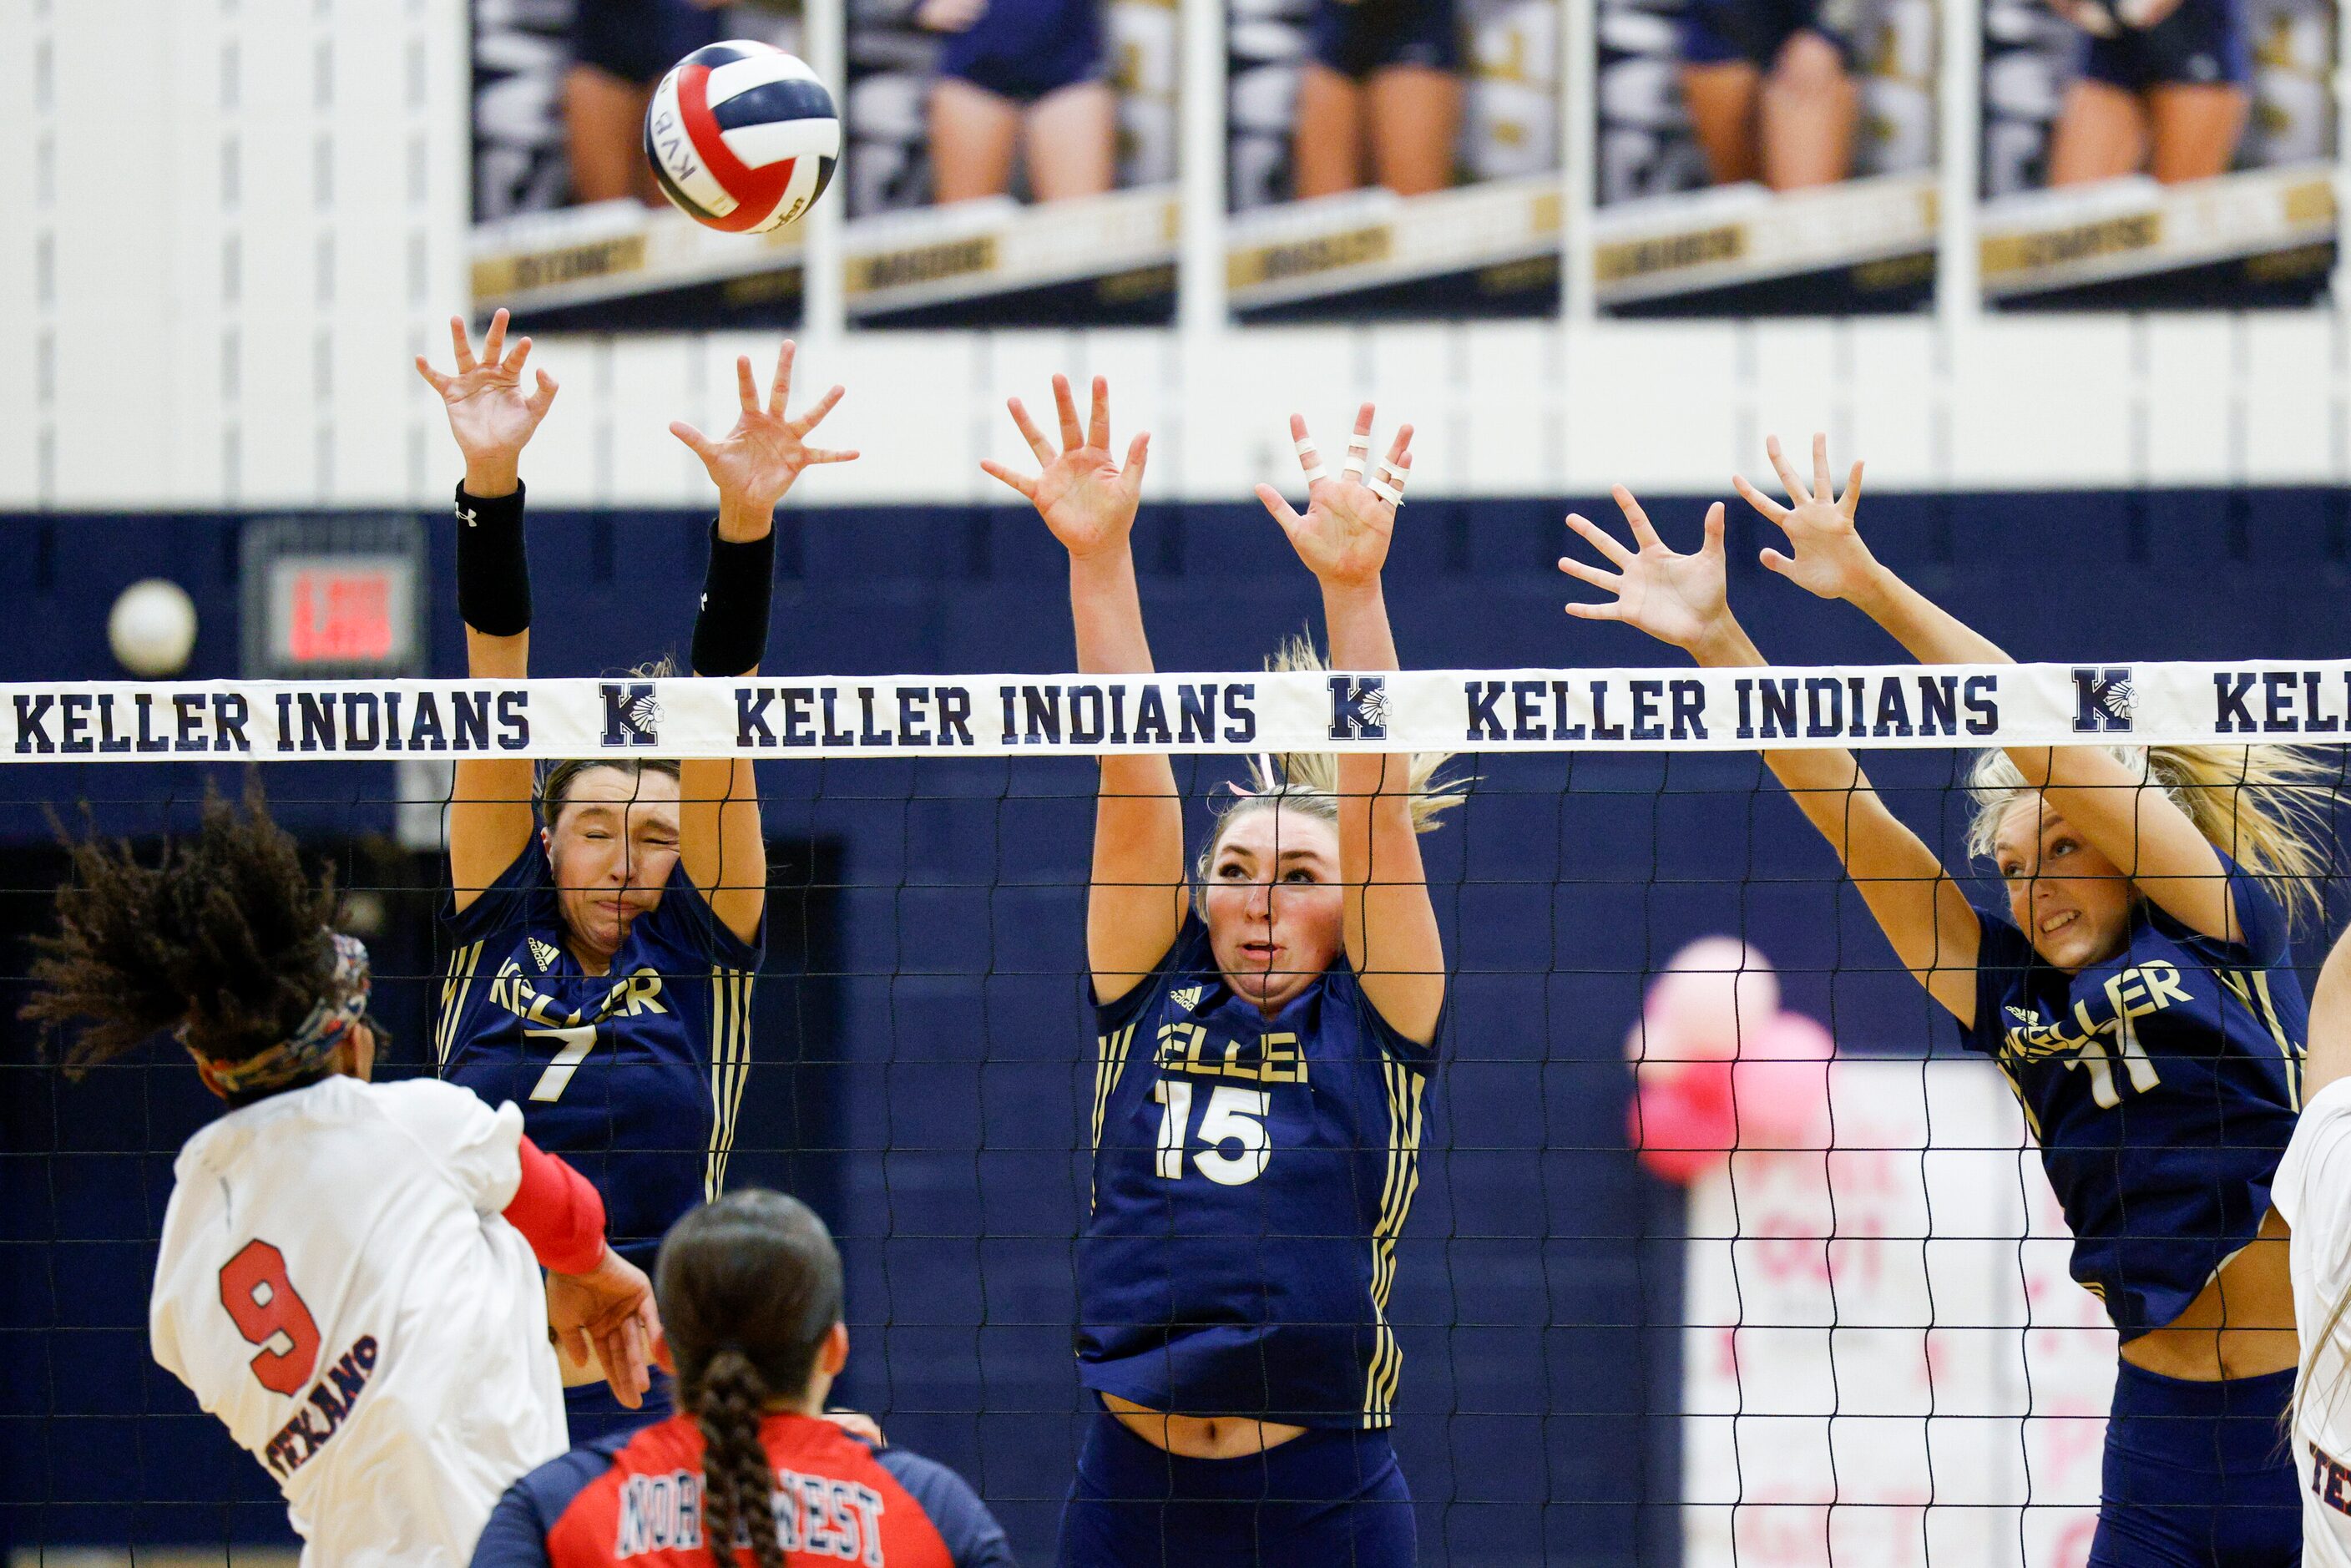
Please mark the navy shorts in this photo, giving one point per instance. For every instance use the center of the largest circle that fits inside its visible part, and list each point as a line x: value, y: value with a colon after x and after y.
x: 1719, y: 32
x: 2203, y: 43
x: 639, y: 40
x: 1331, y: 1498
x: 591, y: 1411
x: 1023, y: 49
x: 1357, y: 37
x: 2198, y: 1475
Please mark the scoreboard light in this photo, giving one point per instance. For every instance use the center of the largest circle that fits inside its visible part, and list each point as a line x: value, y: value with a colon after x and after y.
x: 333, y: 597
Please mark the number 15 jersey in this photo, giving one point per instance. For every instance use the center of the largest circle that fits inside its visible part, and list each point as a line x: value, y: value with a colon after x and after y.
x: 1250, y: 1176
x: 338, y: 1286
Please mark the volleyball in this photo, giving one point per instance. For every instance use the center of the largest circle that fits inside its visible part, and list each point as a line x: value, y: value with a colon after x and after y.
x: 742, y: 136
x: 152, y: 628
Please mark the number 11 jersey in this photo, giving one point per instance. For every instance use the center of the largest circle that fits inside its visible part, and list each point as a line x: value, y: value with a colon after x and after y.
x: 338, y: 1286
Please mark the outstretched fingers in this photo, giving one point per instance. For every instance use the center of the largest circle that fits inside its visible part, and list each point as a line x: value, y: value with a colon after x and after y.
x: 1850, y: 502
x: 1138, y: 451
x: 1823, y: 485
x: 1310, y: 461
x: 1584, y: 572
x: 1038, y: 445
x: 1644, y: 535
x: 512, y: 364
x: 1601, y: 540
x: 461, y: 342
x: 1071, y: 436
x: 1278, y: 505
x: 1018, y: 481
x: 1756, y: 498
x: 780, y: 388
x: 543, y: 399
x: 1098, y: 424
x: 815, y: 416
x: 435, y: 378
x: 1788, y: 480
x: 494, y: 341
x: 747, y: 388
x: 699, y: 443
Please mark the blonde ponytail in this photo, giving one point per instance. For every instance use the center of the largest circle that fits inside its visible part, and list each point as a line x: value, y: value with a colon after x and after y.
x: 2266, y: 807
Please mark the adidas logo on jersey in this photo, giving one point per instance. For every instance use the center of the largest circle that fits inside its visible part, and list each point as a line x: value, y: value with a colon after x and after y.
x: 542, y: 953
x: 1186, y: 997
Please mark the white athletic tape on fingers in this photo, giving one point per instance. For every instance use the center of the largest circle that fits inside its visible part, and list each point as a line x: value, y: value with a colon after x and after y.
x: 1392, y: 473
x: 1359, y: 453
x: 1316, y: 473
x: 1312, y: 461
x: 1386, y: 492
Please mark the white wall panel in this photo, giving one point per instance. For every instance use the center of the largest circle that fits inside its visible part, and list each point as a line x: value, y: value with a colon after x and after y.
x: 2191, y: 430
x: 650, y: 468
x: 265, y: 314
x: 2291, y: 398
x: 1899, y: 423
x: 1653, y: 406
x: 2044, y: 401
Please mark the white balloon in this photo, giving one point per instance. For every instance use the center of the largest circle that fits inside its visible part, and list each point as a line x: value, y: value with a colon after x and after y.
x: 152, y: 628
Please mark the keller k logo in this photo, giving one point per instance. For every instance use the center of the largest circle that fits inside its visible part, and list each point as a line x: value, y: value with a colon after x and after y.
x: 632, y: 715
x: 1359, y: 707
x: 2102, y: 701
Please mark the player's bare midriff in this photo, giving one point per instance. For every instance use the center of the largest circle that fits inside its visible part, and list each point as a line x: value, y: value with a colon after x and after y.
x: 2240, y: 1325
x: 1200, y: 1436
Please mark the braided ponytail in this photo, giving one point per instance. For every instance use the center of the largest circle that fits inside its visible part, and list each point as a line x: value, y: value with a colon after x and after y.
x: 738, y: 1484
x: 749, y: 1287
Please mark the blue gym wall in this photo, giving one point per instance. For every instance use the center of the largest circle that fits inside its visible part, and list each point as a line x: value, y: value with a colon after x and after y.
x: 933, y: 1006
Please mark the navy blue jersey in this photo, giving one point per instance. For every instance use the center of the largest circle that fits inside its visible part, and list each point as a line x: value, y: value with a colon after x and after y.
x: 634, y: 1075
x: 2162, y: 1084
x: 1251, y: 1175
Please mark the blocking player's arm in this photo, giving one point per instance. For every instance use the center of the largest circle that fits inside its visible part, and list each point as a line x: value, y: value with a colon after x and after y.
x: 493, y: 420
x: 2328, y: 1057
x: 2135, y: 826
x: 1390, y: 926
x: 1682, y: 600
x: 1138, y: 895
x: 754, y: 464
x: 595, y: 1297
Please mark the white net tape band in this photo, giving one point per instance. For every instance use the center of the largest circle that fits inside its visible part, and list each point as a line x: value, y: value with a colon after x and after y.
x: 1664, y: 709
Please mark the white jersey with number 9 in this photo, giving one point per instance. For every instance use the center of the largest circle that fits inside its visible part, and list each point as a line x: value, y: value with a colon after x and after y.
x: 338, y: 1286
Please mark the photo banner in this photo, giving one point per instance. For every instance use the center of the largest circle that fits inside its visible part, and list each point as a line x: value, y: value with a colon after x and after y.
x: 1970, y: 705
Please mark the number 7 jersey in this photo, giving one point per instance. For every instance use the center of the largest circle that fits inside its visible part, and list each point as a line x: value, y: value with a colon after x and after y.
x: 337, y: 1285
x: 1251, y: 1177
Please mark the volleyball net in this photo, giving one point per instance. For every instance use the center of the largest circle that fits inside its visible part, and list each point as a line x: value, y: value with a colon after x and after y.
x: 1722, y: 1252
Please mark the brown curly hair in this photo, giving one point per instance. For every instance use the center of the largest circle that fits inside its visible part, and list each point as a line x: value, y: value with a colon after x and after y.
x: 224, y: 937
x: 748, y: 1287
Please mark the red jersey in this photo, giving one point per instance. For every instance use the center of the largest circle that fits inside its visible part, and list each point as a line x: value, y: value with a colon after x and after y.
x: 637, y: 1498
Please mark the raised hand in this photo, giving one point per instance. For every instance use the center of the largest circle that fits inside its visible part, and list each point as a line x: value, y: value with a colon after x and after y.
x: 608, y: 1310
x: 1085, y: 497
x: 1677, y: 598
x: 1343, y: 537
x: 489, y: 414
x: 755, y: 463
x: 1831, y: 559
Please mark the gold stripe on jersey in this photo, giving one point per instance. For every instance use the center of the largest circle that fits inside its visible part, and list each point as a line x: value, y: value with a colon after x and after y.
x: 730, y: 1068
x: 453, y: 986
x: 1110, y: 1062
x: 2023, y: 1105
x: 2251, y: 986
x: 1397, y: 1193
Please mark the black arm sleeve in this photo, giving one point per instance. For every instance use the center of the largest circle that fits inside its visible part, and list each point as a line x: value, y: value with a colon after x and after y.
x: 493, y: 570
x: 730, y: 635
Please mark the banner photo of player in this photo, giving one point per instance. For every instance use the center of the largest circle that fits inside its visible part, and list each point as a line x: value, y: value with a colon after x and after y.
x: 1765, y: 157
x: 1392, y: 157
x: 2152, y: 154
x: 1011, y: 162
x: 570, y: 231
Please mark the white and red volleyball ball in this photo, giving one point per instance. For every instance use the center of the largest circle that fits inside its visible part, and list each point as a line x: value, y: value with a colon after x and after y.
x: 742, y: 136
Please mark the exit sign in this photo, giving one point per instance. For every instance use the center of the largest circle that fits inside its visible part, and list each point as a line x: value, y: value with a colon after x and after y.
x: 334, y: 596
